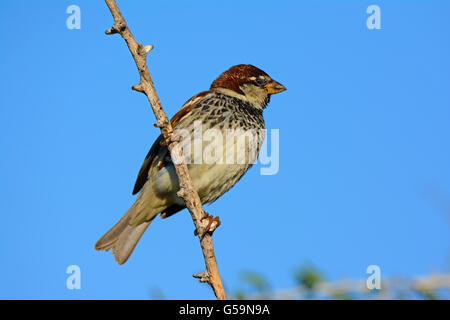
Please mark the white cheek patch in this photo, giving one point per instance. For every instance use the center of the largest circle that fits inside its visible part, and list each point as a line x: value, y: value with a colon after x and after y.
x: 255, y: 95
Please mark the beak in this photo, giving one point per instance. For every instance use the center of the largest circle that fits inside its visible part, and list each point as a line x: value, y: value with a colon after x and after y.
x: 274, y: 87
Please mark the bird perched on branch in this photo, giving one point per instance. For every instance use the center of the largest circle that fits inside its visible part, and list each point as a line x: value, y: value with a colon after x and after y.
x: 220, y: 132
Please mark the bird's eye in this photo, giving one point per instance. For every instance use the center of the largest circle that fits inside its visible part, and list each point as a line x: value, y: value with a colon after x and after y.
x: 259, y: 81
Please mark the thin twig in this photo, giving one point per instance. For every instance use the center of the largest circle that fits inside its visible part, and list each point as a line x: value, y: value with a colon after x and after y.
x: 187, y: 191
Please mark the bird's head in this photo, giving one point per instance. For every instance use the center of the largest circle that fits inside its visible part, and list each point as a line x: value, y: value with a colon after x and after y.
x: 248, y: 83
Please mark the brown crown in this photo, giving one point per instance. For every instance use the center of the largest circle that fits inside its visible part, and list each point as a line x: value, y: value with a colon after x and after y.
x: 237, y: 75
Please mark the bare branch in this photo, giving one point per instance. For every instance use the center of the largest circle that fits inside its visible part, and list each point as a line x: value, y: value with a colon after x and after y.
x: 187, y: 191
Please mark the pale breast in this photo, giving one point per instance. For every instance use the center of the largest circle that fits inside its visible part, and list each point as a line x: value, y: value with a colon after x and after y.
x: 221, y: 140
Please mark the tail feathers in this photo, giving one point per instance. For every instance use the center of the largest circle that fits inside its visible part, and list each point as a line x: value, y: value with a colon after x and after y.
x: 122, y: 238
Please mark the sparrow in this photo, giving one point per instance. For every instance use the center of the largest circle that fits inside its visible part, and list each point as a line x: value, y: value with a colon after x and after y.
x: 225, y: 125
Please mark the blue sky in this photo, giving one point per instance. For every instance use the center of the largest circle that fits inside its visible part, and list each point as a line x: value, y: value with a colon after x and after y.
x: 364, y: 142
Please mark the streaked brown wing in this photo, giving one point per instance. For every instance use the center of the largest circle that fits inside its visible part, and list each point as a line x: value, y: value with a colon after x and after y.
x: 143, y: 172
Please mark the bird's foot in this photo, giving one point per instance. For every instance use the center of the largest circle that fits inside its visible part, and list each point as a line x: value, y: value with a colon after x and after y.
x: 174, y: 137
x: 212, y: 224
